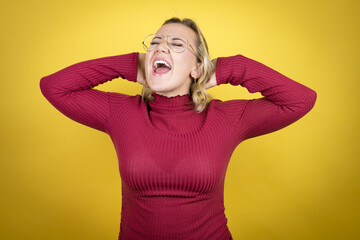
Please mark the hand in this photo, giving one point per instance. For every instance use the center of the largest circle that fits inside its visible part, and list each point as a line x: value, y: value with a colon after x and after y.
x: 140, y: 78
x: 212, y: 82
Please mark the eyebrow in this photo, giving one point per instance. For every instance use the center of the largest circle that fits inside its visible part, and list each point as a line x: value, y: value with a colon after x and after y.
x: 178, y: 39
x: 175, y: 38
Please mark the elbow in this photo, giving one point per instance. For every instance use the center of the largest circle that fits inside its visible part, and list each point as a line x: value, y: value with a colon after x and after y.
x: 312, y: 99
x: 45, y: 86
x: 42, y: 83
x: 309, y: 100
x: 305, y: 102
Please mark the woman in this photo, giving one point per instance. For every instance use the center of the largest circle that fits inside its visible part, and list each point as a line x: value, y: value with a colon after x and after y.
x: 174, y: 141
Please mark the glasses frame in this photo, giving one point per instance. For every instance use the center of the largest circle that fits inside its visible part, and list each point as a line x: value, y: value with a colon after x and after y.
x: 168, y: 44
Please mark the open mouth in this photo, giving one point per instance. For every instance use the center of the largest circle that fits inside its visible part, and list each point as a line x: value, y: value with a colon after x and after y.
x: 161, y: 67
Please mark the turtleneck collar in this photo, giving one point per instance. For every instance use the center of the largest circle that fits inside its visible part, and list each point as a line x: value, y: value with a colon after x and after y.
x: 174, y: 104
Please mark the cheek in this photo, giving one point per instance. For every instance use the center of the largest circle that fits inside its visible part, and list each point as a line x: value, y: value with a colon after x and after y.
x: 184, y: 62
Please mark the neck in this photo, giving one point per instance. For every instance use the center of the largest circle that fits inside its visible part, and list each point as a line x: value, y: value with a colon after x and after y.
x: 172, y: 94
x: 173, y: 104
x: 175, y: 113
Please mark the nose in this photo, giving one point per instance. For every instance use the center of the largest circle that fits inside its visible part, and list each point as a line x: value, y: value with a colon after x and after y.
x: 163, y: 46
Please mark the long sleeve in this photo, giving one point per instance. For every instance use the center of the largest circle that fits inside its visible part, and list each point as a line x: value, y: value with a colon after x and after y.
x: 70, y: 90
x: 284, y: 102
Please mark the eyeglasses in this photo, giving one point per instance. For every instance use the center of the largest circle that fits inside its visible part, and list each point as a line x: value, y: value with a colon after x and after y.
x: 175, y: 43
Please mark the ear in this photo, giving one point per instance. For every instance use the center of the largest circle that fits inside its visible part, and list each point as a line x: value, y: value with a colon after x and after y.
x: 197, y: 71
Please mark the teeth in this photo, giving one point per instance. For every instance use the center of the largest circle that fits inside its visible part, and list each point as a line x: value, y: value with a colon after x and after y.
x: 161, y: 61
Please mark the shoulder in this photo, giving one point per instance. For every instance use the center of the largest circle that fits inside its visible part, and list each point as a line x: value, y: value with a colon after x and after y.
x: 231, y: 109
x: 124, y: 101
x: 122, y: 97
x: 230, y: 105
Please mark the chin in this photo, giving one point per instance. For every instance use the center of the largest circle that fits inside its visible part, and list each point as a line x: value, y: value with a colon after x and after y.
x: 157, y: 87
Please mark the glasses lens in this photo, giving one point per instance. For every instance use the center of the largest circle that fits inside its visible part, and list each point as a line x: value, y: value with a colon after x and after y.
x: 153, y: 40
x: 177, y: 44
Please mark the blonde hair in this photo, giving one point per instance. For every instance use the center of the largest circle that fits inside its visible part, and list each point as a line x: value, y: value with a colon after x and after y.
x: 197, y: 89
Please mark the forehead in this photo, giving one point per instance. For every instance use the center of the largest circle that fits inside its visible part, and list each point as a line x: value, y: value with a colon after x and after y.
x: 178, y: 30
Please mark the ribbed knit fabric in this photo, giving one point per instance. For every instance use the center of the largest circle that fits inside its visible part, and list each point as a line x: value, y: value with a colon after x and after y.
x: 172, y: 160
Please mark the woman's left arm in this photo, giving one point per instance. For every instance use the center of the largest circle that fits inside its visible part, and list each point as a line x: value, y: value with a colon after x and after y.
x: 284, y: 102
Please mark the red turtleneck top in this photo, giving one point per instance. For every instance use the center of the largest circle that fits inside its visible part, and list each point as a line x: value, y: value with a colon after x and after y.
x: 172, y: 160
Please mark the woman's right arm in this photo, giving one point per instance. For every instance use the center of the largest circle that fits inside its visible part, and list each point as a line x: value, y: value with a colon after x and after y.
x: 70, y: 90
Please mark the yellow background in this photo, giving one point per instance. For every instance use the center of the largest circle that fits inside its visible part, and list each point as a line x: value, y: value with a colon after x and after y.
x: 59, y: 179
